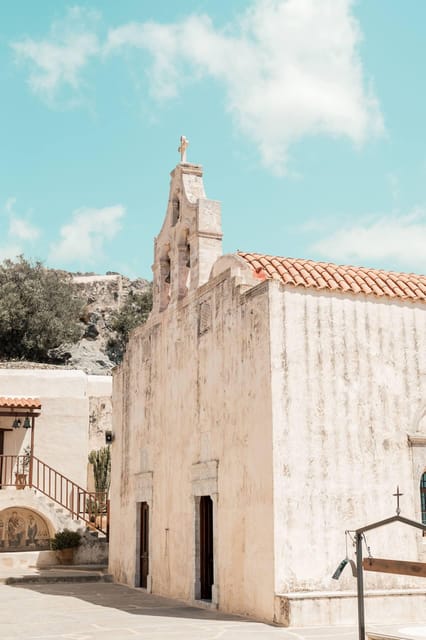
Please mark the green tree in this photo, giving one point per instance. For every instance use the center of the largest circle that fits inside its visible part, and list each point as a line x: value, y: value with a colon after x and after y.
x: 39, y: 309
x: 134, y: 311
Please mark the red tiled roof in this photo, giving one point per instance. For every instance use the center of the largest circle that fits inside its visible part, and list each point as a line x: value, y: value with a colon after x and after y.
x: 325, y: 275
x: 20, y: 403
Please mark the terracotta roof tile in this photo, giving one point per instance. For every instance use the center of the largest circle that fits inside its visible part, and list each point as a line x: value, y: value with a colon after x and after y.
x: 19, y: 403
x: 325, y: 275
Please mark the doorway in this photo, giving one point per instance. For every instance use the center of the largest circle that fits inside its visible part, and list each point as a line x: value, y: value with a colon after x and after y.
x: 144, y: 545
x: 1, y: 454
x: 206, y: 547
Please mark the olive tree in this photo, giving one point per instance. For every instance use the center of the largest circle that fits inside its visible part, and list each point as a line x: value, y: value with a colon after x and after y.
x: 39, y: 309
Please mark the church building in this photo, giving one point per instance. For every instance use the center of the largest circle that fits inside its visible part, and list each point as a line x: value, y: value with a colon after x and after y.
x: 268, y: 405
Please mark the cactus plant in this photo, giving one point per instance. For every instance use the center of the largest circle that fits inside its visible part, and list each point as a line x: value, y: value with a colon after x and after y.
x: 101, y: 462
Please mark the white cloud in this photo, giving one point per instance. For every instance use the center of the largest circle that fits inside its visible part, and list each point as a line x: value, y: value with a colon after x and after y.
x: 19, y: 228
x: 84, y: 237
x: 289, y: 68
x: 58, y: 60
x: 397, y: 240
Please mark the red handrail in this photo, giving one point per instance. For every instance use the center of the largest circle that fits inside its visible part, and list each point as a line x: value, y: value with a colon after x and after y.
x: 89, y: 506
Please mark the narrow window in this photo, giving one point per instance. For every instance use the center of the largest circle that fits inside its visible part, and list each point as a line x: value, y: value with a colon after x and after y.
x: 175, y: 211
x: 423, y: 497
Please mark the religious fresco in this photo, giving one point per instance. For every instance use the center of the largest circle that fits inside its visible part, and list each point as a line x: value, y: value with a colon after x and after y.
x: 23, y: 530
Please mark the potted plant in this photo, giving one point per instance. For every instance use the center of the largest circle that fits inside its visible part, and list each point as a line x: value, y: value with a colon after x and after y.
x: 101, y: 464
x: 64, y: 543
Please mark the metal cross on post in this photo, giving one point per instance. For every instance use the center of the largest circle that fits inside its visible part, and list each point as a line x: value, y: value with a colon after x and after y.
x: 184, y: 143
x: 397, y: 495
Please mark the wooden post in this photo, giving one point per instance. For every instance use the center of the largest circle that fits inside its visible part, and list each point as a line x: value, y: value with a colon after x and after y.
x: 32, y: 451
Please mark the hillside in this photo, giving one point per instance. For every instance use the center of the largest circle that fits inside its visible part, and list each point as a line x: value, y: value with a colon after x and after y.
x: 103, y: 295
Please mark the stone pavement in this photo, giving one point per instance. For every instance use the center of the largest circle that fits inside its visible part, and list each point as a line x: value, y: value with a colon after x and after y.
x: 107, y: 611
x: 81, y: 603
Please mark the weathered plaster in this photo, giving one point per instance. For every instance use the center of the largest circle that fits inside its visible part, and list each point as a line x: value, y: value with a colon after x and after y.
x: 350, y: 380
x: 184, y: 400
x: 289, y: 407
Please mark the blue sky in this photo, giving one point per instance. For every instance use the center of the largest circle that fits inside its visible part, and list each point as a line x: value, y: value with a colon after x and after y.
x: 307, y: 116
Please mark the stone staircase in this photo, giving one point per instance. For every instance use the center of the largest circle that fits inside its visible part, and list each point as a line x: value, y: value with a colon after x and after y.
x: 31, y: 499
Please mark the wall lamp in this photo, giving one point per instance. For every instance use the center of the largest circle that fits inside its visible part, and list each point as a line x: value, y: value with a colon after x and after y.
x: 336, y: 575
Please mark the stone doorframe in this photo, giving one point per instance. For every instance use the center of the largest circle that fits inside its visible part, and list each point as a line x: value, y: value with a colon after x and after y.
x: 204, y: 483
x: 143, y: 493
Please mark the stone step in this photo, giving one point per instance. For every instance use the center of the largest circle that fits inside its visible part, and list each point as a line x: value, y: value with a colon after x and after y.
x: 56, y: 573
x: 45, y: 578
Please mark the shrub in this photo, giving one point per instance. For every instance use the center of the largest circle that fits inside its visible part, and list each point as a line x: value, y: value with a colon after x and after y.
x: 65, y: 539
x: 135, y: 311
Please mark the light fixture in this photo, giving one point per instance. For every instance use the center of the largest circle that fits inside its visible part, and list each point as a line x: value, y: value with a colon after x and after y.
x: 336, y: 575
x: 16, y: 423
x: 27, y: 423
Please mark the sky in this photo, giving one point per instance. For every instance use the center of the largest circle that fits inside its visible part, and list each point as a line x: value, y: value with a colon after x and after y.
x: 307, y: 116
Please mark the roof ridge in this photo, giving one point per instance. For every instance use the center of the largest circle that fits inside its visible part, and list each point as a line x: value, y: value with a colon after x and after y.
x: 313, y: 274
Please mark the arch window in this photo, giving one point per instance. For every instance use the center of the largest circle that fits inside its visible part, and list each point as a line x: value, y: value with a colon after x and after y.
x: 423, y: 497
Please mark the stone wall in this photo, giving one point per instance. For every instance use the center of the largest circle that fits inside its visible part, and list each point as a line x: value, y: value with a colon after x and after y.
x: 349, y: 387
x: 192, y: 417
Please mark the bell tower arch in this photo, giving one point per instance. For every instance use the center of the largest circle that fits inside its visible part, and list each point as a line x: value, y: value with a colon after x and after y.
x: 190, y: 240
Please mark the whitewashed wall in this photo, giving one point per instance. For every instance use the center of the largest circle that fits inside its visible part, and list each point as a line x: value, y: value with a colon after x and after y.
x: 181, y: 399
x: 349, y: 384
x: 61, y: 437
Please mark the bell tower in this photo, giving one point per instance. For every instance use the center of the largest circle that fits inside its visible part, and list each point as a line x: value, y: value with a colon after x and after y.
x: 190, y: 240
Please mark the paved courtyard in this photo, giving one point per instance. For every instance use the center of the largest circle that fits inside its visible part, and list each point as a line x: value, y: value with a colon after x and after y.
x: 92, y: 611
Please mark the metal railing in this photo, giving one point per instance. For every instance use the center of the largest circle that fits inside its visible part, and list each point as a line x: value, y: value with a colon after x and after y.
x: 26, y: 470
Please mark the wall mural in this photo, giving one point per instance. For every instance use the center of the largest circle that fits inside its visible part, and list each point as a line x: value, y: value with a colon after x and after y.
x: 23, y: 530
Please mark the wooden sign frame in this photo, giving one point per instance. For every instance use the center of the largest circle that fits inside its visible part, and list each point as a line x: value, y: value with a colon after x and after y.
x: 401, y: 567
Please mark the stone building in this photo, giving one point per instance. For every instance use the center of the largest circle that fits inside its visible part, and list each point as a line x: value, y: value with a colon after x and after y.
x: 59, y: 415
x: 268, y: 405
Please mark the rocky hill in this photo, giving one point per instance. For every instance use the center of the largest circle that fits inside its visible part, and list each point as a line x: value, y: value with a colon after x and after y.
x: 103, y: 296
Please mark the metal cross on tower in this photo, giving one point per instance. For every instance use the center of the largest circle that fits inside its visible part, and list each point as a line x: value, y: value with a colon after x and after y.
x: 397, y: 495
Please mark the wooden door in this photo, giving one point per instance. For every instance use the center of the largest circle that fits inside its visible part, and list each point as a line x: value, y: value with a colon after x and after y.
x: 1, y: 454
x: 144, y: 545
x: 206, y: 547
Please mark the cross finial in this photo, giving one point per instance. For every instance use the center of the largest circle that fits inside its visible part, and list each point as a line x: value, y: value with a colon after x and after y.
x: 184, y: 143
x: 397, y: 495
